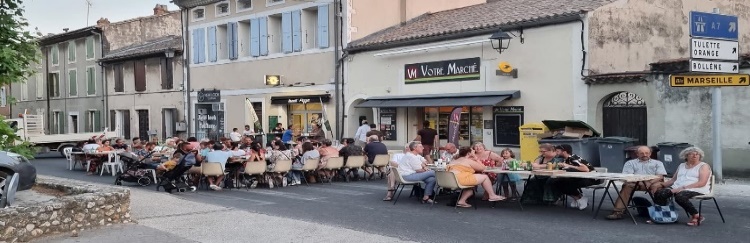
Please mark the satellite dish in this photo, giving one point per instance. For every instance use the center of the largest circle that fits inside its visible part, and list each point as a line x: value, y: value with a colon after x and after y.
x: 505, y: 67
x: 9, y: 191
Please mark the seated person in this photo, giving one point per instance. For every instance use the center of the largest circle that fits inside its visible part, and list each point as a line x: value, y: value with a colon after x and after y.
x: 465, y: 167
x: 571, y: 186
x: 690, y: 180
x: 643, y: 165
x: 536, y: 189
x: 374, y: 148
x: 412, y: 168
x: 395, y: 158
x: 221, y: 157
x: 170, y: 164
x: 120, y: 145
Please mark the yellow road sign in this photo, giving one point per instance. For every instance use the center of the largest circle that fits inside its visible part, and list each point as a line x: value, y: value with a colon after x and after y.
x: 710, y: 80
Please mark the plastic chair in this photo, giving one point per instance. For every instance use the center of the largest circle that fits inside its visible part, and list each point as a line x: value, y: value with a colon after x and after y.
x: 112, y: 165
x: 310, y: 165
x: 281, y: 168
x: 709, y: 196
x: 68, y: 156
x: 380, y: 161
x: 256, y: 169
x: 401, y: 182
x: 448, y: 180
x: 334, y: 163
x: 354, y: 162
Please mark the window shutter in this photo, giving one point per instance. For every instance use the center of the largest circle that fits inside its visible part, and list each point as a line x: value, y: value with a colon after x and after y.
x: 232, y: 39
x: 286, y: 32
x: 255, y: 37
x: 139, y: 70
x: 112, y: 120
x: 118, y: 78
x: 196, y: 45
x: 87, y: 122
x: 297, y: 30
x: 263, y: 23
x: 97, y: 121
x: 73, y: 82
x: 126, y: 124
x: 90, y: 47
x: 71, y: 51
x: 90, y: 82
x: 323, y: 26
x: 167, y: 79
x: 212, y: 48
x: 61, y: 122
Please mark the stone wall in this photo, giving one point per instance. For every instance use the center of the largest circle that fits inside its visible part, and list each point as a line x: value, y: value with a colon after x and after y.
x: 83, y: 206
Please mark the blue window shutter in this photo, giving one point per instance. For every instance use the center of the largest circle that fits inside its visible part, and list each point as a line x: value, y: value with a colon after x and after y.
x: 235, y: 40
x: 297, y: 30
x: 286, y: 32
x: 196, y: 47
x: 232, y: 40
x: 263, y: 22
x: 254, y: 38
x: 212, y: 48
x: 323, y: 26
x: 202, y: 46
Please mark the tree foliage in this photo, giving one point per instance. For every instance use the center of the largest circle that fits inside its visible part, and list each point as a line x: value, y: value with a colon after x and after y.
x: 18, y: 50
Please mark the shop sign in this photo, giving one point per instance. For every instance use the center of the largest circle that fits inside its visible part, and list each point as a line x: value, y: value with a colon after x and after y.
x: 443, y: 71
x: 209, y: 96
x: 301, y: 99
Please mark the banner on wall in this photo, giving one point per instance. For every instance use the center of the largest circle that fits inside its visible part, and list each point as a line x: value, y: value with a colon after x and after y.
x: 454, y: 125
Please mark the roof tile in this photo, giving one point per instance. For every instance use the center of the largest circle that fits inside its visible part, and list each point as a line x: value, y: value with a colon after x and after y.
x: 476, y: 17
x: 146, y: 48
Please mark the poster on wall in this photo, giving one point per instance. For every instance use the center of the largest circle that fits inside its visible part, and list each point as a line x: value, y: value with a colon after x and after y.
x: 388, y: 123
x: 209, y: 121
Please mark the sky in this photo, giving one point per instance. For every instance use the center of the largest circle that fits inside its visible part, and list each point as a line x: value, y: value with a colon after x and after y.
x: 51, y: 16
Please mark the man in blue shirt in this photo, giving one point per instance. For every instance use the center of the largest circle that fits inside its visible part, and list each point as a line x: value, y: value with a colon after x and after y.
x: 287, y: 137
x: 373, y: 148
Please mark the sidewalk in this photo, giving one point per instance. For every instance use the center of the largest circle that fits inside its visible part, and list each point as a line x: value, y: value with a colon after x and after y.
x: 162, y: 217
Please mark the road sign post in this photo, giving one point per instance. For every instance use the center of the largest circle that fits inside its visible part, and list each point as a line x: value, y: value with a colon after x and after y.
x: 714, y: 48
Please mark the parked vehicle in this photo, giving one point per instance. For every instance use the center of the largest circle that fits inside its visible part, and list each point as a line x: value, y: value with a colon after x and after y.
x: 31, y: 128
x: 12, y: 163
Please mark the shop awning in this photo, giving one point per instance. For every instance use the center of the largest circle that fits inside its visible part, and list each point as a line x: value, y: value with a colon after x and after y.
x: 461, y: 99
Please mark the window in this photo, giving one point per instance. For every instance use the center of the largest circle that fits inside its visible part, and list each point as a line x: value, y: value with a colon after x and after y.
x: 117, y: 72
x: 143, y: 124
x: 222, y: 9
x: 90, y: 48
x: 55, y: 53
x: 93, y: 121
x: 259, y: 35
x: 243, y: 37
x: 90, y: 81
x: 309, y: 31
x: 274, y: 33
x: 39, y: 86
x: 139, y: 71
x: 73, y: 82
x: 71, y: 51
x: 25, y: 90
x: 73, y: 122
x: 199, y: 13
x: 167, y: 80
x: 121, y: 119
x: 53, y: 84
x: 244, y: 5
x: 274, y: 2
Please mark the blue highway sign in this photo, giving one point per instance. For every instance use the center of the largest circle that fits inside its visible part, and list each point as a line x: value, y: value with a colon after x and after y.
x: 716, y: 26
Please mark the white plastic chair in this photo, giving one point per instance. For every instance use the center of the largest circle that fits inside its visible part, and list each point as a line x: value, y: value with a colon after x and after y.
x: 112, y: 165
x: 68, y: 156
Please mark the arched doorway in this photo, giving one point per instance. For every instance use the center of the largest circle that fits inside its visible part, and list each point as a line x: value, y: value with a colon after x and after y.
x: 624, y: 114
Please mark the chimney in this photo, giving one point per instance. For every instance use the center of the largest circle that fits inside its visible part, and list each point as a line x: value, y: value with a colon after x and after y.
x: 102, y: 22
x: 160, y: 9
x: 66, y: 29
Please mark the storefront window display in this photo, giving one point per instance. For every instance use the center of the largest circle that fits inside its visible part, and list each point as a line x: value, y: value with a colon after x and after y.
x: 302, y: 116
x: 470, y: 125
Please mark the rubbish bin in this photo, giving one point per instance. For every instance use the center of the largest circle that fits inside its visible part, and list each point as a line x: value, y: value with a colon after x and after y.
x: 669, y: 154
x: 613, y: 152
x: 529, y: 140
x: 584, y: 144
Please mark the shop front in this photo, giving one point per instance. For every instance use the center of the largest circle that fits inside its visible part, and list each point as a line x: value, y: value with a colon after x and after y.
x: 209, y: 115
x: 303, y: 111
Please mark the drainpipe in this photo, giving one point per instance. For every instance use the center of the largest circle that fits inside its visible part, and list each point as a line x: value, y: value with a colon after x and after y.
x: 186, y: 68
x: 337, y: 63
x: 105, y: 94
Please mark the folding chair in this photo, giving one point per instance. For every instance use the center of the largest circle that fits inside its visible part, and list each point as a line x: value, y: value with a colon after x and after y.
x: 709, y: 196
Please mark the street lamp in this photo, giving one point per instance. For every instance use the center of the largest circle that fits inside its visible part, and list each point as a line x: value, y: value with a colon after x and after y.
x: 500, y: 41
x: 169, y: 53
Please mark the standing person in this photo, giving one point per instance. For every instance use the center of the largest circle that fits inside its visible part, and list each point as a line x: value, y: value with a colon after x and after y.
x: 361, y: 135
x: 427, y: 136
x: 288, y: 135
x: 374, y: 131
x: 279, y: 128
x: 248, y: 131
x: 235, y: 135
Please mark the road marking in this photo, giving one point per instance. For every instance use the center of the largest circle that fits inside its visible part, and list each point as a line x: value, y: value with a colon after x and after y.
x: 339, y: 191
x: 381, y: 187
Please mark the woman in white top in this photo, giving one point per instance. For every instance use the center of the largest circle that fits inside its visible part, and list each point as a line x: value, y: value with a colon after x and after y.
x: 690, y: 180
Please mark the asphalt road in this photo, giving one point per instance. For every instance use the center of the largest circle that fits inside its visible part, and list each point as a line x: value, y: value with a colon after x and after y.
x: 358, y: 206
